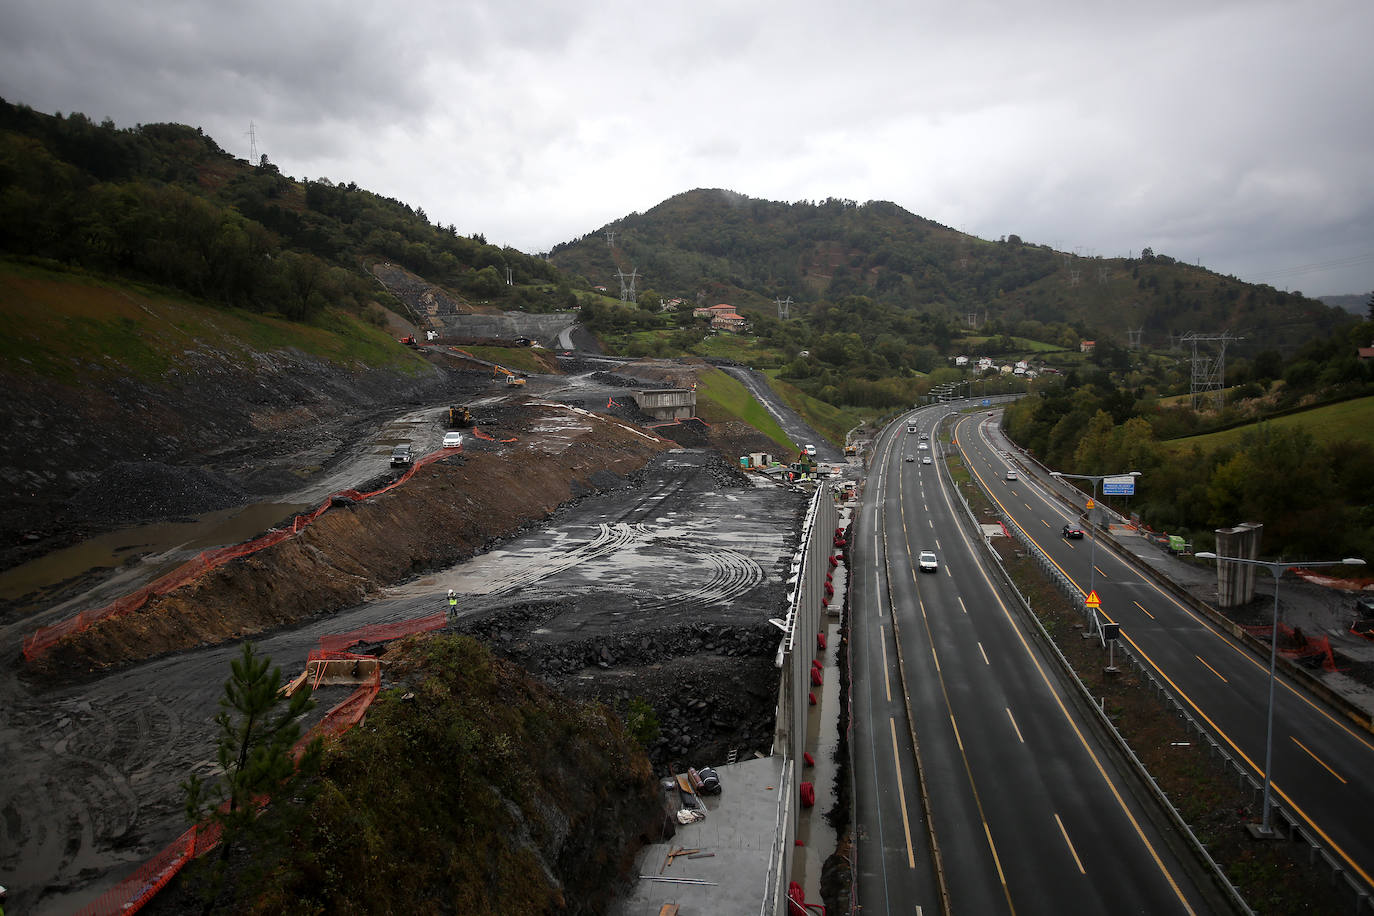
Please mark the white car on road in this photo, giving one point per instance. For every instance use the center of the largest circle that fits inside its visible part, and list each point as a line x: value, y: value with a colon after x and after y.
x: 926, y: 561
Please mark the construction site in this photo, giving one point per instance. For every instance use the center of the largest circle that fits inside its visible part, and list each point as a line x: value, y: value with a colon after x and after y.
x: 594, y: 531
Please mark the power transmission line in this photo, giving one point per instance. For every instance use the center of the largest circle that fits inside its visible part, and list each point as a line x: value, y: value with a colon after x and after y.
x: 627, y: 290
x: 1209, y: 375
x: 1315, y: 267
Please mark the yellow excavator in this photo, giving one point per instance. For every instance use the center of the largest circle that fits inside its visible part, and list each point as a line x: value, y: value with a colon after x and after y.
x: 459, y: 418
x: 512, y: 379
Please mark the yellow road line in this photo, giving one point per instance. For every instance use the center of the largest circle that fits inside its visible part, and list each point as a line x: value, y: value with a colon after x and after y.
x: 1211, y: 669
x: 1318, y: 759
x: 887, y: 673
x: 1069, y: 843
x: 901, y: 793
x: 1014, y: 726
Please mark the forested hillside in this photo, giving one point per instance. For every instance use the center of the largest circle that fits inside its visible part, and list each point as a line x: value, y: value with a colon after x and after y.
x: 749, y: 252
x: 162, y: 203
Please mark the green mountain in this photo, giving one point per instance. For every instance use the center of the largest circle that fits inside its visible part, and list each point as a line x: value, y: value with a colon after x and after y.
x: 724, y: 246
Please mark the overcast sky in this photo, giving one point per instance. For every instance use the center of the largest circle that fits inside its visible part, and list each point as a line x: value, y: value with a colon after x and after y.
x: 1237, y: 133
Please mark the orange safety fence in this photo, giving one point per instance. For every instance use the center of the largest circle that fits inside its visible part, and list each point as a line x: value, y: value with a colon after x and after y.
x: 1349, y: 585
x: 44, y: 638
x: 675, y: 421
x: 381, y: 632
x: 481, y: 435
x: 1299, y: 646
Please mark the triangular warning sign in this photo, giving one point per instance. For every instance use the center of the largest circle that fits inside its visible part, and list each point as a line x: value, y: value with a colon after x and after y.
x: 1093, y: 601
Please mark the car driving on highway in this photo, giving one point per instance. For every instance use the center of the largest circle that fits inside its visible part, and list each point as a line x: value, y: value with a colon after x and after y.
x: 1071, y: 533
x: 926, y: 561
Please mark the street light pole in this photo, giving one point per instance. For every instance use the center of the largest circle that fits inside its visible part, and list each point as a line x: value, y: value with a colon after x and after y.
x: 1277, y: 569
x: 1092, y: 545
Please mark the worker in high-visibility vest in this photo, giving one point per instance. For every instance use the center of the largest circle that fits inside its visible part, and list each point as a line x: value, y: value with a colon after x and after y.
x: 452, y: 606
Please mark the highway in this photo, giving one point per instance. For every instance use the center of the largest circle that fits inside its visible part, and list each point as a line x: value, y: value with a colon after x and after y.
x: 1028, y: 809
x: 1319, y: 758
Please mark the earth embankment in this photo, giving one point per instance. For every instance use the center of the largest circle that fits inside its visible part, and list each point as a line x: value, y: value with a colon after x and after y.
x: 448, y: 510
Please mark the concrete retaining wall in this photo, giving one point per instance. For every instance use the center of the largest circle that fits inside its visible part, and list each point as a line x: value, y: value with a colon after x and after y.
x: 806, y: 586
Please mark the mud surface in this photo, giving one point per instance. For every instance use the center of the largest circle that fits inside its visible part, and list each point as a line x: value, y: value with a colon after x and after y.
x: 611, y: 564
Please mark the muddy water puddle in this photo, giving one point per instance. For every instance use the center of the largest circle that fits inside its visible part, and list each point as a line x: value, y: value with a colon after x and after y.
x: 217, y: 529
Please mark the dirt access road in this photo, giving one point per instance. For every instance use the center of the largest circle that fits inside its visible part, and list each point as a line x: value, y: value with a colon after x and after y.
x: 791, y: 422
x: 656, y: 584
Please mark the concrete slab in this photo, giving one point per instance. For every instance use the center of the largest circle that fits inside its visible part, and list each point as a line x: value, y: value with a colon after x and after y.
x: 740, y: 830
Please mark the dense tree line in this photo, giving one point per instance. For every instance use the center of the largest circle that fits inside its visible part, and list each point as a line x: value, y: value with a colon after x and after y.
x: 1091, y: 425
x: 162, y: 203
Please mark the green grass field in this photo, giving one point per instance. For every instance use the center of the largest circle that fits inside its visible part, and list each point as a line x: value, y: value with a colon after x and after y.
x: 741, y: 349
x: 830, y: 421
x: 1347, y: 420
x: 720, y: 397
x: 69, y: 326
x: 1020, y: 344
x: 521, y: 359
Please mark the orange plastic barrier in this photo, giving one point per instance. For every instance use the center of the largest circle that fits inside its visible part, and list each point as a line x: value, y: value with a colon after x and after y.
x: 44, y: 638
x: 381, y: 632
x: 1299, y: 646
x: 481, y: 435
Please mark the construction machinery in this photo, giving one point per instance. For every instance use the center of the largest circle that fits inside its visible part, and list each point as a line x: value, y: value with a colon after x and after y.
x: 459, y: 418
x: 513, y: 380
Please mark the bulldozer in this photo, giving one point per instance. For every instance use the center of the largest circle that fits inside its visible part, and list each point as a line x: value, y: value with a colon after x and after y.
x: 459, y: 418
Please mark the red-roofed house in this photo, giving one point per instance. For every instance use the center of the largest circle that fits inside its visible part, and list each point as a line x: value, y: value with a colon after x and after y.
x: 722, y: 317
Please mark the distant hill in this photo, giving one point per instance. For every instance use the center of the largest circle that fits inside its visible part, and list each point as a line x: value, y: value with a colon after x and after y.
x: 1354, y: 303
x: 717, y: 245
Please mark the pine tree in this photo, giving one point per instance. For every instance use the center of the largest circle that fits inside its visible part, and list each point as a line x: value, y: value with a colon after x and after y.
x: 258, y: 729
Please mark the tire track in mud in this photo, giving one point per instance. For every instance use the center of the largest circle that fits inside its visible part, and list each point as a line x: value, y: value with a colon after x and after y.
x: 86, y: 788
x: 730, y: 573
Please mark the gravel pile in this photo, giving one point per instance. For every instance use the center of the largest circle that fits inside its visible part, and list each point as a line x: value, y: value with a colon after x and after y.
x: 136, y: 491
x: 620, y: 381
x: 706, y: 682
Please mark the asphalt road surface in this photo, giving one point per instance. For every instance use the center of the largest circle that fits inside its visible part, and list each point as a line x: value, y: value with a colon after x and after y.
x: 1029, y: 807
x: 1320, y: 762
